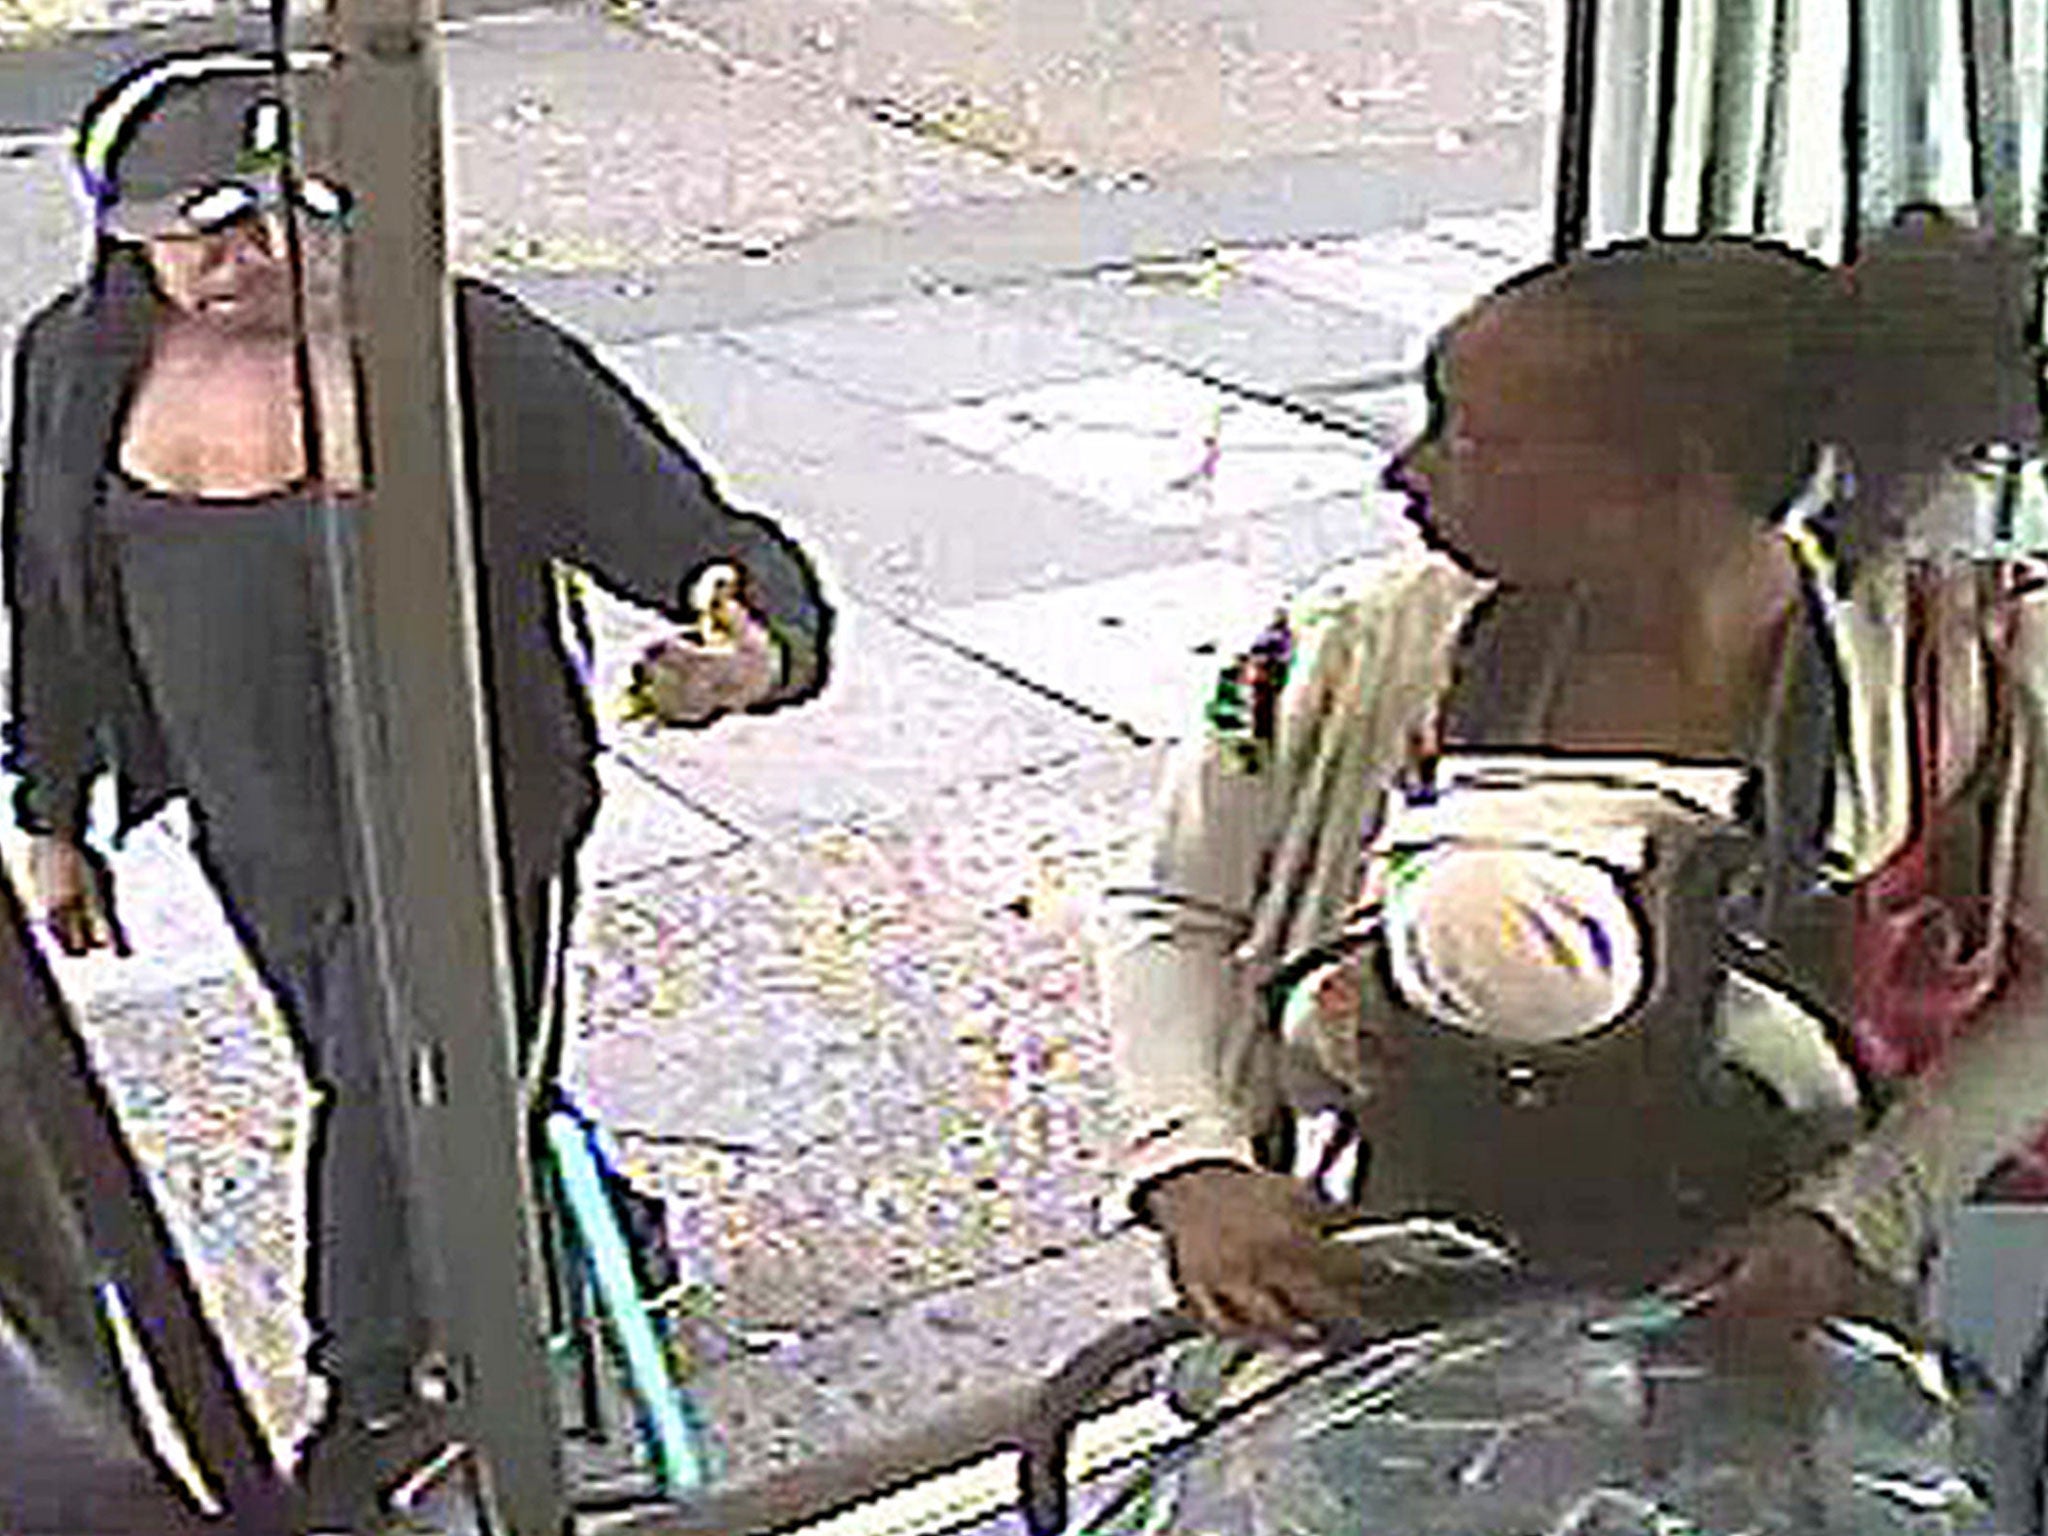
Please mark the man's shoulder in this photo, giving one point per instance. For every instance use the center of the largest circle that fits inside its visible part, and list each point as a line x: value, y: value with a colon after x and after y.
x: 480, y: 296
x: 57, y: 319
x: 490, y: 313
x: 508, y: 340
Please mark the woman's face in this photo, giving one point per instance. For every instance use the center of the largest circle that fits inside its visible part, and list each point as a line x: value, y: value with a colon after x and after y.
x: 1526, y: 471
x: 236, y: 279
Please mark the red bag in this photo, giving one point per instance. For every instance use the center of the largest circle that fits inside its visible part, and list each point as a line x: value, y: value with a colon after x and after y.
x: 1927, y: 961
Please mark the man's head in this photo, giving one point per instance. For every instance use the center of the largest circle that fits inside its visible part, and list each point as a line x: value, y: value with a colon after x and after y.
x: 187, y: 159
x: 1592, y: 405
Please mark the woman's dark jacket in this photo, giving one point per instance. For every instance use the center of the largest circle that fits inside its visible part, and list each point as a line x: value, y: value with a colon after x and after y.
x: 564, y: 465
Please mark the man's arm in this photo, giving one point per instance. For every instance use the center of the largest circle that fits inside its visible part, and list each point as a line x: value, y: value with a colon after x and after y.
x: 48, y: 736
x: 621, y: 498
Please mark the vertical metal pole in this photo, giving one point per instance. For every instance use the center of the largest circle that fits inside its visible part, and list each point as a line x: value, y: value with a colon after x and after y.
x: 1800, y: 190
x: 1736, y: 116
x: 1992, y: 85
x: 411, y: 739
x: 1575, y: 128
x: 1774, y: 147
x: 1993, y: 82
x: 1910, y: 107
x: 1855, y: 128
x: 2040, y: 221
x: 1916, y: 125
x: 1670, y: 43
x: 1691, y: 109
x: 1626, y: 113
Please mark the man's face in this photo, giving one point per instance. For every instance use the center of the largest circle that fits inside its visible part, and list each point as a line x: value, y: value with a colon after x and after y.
x: 1527, y: 471
x: 236, y: 280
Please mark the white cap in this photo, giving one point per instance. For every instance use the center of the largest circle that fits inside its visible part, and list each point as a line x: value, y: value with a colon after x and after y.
x: 1522, y: 944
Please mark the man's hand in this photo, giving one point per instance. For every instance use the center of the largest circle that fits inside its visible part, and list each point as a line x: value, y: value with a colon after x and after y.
x: 1250, y: 1254
x: 1765, y: 1289
x: 727, y: 660
x: 74, y: 896
x: 683, y: 681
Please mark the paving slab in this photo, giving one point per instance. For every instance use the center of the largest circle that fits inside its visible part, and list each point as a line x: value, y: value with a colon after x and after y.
x: 645, y: 826
x: 868, y: 1060
x: 1213, y: 319
x: 917, y: 354
x: 1389, y: 416
x: 984, y: 245
x: 68, y: 41
x: 1288, y: 548
x: 559, y: 164
x: 1142, y: 650
x: 904, y: 718
x: 735, y: 408
x: 1521, y: 234
x: 901, y: 519
x: 1157, y: 446
x: 1408, y: 276
x: 1107, y: 87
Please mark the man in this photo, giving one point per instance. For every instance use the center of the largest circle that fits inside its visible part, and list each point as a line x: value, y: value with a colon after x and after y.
x: 160, y: 517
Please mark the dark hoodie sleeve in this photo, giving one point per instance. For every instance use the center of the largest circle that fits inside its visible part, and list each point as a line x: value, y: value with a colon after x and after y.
x: 621, y: 498
x: 48, y: 728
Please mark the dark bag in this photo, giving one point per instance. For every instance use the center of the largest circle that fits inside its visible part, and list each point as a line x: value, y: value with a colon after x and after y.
x: 1611, y: 1156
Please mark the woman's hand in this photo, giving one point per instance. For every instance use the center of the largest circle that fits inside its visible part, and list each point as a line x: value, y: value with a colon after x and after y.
x: 74, y: 896
x: 1764, y: 1289
x: 1250, y: 1253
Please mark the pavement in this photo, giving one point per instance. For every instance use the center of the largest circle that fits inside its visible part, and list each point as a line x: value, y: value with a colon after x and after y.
x: 1059, y: 441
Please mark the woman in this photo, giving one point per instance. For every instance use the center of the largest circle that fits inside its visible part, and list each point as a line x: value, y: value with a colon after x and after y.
x: 159, y: 521
x: 1623, y: 438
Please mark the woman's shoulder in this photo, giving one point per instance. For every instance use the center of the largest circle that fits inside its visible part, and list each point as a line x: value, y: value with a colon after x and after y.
x: 1382, y: 595
x: 1381, y: 579
x: 496, y: 319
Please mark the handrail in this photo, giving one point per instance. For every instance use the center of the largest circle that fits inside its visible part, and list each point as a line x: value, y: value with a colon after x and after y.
x: 824, y: 1486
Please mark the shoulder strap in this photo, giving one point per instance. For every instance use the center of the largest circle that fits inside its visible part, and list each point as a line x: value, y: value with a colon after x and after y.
x: 2009, y: 744
x: 1804, y: 730
x: 1509, y: 664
